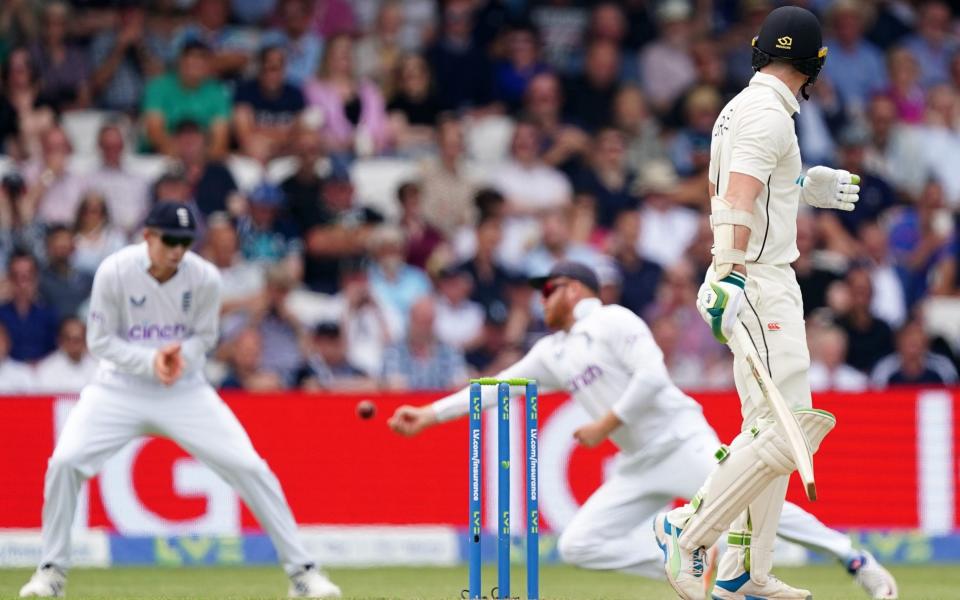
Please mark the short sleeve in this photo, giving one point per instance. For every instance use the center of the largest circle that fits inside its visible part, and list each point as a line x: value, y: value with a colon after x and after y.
x: 762, y: 138
x: 153, y: 95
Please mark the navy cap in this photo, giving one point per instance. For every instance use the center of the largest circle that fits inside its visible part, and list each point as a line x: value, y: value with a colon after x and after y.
x: 267, y: 194
x: 571, y: 270
x: 172, y: 218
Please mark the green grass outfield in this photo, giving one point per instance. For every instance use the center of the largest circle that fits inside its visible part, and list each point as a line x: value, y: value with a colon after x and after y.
x: 557, y: 582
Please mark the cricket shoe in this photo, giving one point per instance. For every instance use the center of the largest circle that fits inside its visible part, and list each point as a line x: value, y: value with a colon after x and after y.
x: 48, y: 581
x: 685, y: 570
x: 872, y: 577
x: 310, y: 582
x: 744, y: 588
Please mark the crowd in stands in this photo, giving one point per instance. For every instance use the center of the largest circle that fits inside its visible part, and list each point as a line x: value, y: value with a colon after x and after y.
x: 375, y: 179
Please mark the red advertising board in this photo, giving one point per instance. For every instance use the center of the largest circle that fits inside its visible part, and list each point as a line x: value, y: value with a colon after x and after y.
x: 338, y: 469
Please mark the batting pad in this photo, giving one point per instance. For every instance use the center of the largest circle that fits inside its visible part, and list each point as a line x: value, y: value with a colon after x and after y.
x: 754, y: 460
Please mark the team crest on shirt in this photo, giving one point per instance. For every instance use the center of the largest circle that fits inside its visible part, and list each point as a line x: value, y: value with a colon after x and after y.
x: 138, y: 302
x: 186, y: 300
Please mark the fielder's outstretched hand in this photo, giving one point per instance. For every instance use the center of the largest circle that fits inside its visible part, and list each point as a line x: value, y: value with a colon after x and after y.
x: 168, y: 364
x: 411, y: 420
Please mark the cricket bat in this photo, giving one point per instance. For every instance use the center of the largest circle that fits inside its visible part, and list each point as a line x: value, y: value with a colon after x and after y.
x: 796, y: 439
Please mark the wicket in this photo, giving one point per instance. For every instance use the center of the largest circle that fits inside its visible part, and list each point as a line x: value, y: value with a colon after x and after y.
x: 503, y: 488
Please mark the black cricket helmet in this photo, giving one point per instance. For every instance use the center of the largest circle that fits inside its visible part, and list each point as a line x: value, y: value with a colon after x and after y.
x: 791, y: 34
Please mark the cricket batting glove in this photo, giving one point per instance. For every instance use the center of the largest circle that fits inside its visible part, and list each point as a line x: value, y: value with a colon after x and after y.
x: 719, y: 303
x: 823, y: 187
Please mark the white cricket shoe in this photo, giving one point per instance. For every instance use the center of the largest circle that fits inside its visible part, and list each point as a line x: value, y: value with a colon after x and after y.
x: 48, y: 581
x: 309, y: 582
x: 872, y: 577
x: 744, y: 588
x: 685, y: 570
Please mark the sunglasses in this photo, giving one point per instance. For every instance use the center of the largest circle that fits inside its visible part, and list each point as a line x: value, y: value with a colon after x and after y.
x: 550, y: 287
x: 172, y: 241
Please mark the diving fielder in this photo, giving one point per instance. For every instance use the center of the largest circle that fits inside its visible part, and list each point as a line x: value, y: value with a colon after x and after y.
x: 607, y: 359
x: 756, y: 185
x: 153, y: 318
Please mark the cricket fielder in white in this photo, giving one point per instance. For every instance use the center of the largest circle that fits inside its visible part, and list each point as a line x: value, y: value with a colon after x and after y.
x: 153, y: 318
x: 607, y: 359
x: 756, y: 186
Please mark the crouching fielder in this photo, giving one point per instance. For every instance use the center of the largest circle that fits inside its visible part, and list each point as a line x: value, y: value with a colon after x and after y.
x: 153, y: 318
x: 756, y: 186
x: 606, y: 358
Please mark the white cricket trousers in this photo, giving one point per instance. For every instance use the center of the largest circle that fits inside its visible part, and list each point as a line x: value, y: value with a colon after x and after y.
x: 106, y: 418
x: 613, y: 529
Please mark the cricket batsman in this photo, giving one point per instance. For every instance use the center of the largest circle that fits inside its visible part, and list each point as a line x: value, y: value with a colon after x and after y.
x: 607, y: 359
x: 153, y: 318
x: 756, y: 186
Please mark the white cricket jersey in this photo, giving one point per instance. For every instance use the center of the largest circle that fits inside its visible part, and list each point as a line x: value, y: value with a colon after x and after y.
x: 132, y: 315
x: 754, y: 135
x: 607, y: 361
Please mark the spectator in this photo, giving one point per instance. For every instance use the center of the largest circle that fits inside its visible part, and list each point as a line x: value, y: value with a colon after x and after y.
x: 326, y: 366
x: 172, y: 186
x: 394, y: 283
x: 267, y: 109
x: 71, y: 367
x: 530, y: 187
x: 378, y: 53
x: 522, y: 63
x: 639, y: 278
x: 246, y: 369
x: 665, y: 65
x: 424, y: 242
x: 690, y: 147
x: 666, y: 229
x: 124, y: 190
x: 303, y: 47
x: 211, y: 184
x: 26, y: 115
x: 15, y: 376
x: 493, y: 352
x: 448, y: 182
x: 458, y: 62
x: 265, y: 234
x: 333, y: 17
x: 19, y: 227
x: 556, y: 245
x: 188, y: 94
x: 53, y: 189
x: 63, y: 287
x: 564, y: 143
x: 491, y: 278
x: 353, y: 112
x: 279, y: 329
x: 904, y: 89
x: 933, y: 44
x: 334, y: 231
x: 243, y: 281
x: 888, y: 302
x: 562, y: 26
x: 231, y: 48
x: 690, y: 371
x: 302, y: 188
x: 415, y: 106
x: 422, y: 362
x: 913, y: 363
x: 895, y: 151
x: 63, y: 67
x: 123, y: 59
x: 642, y: 131
x: 18, y: 22
x: 368, y: 326
x: 918, y: 240
x: 459, y: 320
x: 870, y: 338
x: 828, y: 369
x: 30, y: 323
x: 589, y: 97
x: 815, y: 268
x: 608, y: 180
x: 941, y: 141
x: 856, y: 66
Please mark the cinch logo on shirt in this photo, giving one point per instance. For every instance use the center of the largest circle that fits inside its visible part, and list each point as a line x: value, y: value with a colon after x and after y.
x: 157, y: 332
x: 589, y: 375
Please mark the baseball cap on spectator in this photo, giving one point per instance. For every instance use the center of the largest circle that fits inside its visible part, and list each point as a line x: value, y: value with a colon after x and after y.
x: 193, y: 44
x: 172, y: 218
x: 327, y: 329
x: 267, y: 194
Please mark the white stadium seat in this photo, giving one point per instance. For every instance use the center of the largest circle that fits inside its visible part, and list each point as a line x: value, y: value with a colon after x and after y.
x: 376, y: 181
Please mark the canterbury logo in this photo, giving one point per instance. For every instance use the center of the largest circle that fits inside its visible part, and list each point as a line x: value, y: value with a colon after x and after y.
x: 785, y: 42
x: 773, y: 326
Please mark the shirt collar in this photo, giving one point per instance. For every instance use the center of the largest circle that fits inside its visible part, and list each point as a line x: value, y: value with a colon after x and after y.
x: 586, y: 307
x: 143, y: 257
x: 787, y: 98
